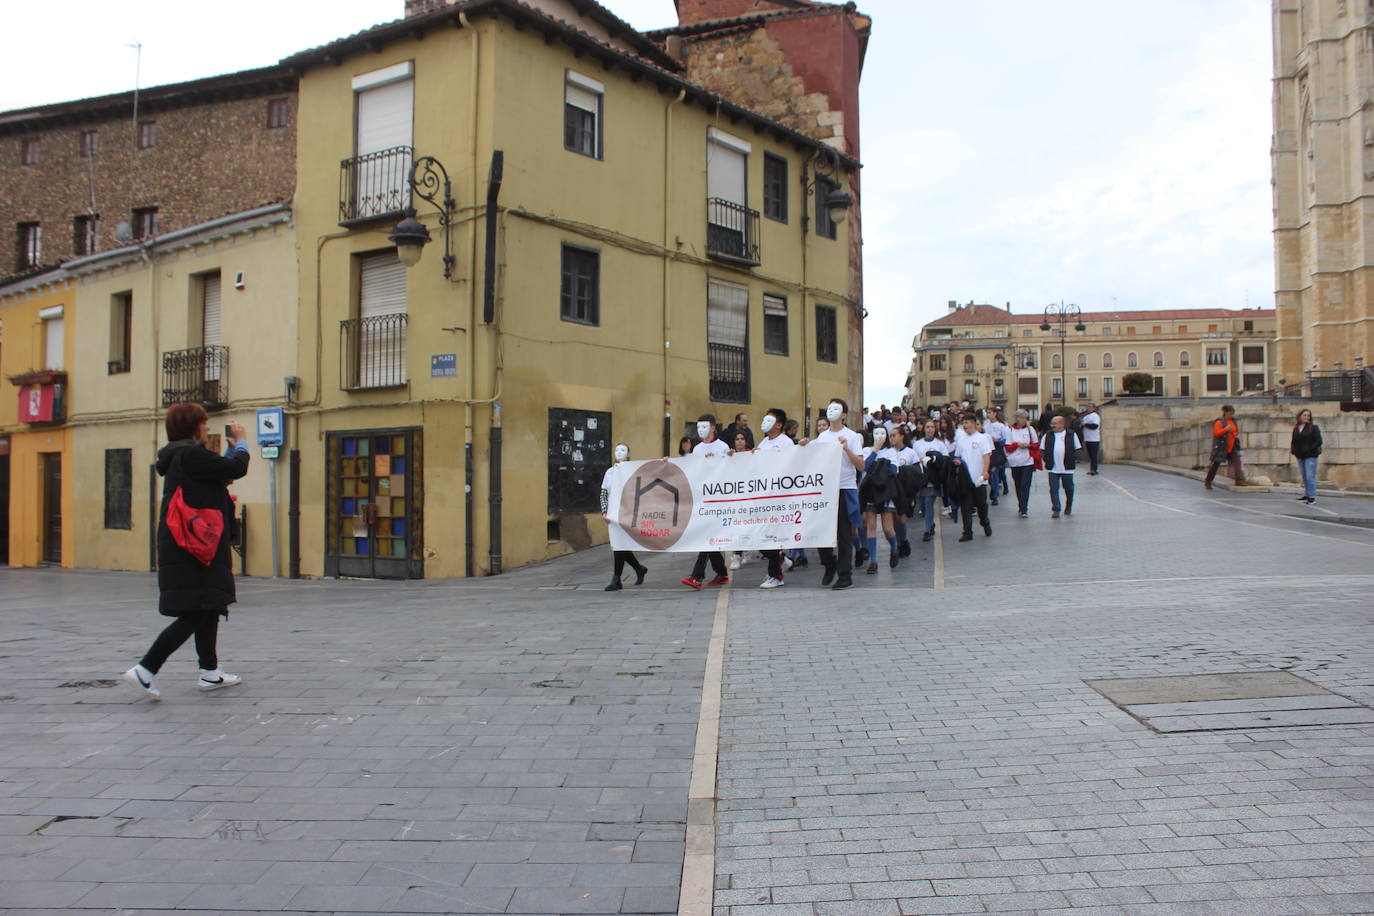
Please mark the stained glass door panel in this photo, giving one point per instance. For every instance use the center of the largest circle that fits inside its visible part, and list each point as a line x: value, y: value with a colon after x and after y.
x: 373, y: 512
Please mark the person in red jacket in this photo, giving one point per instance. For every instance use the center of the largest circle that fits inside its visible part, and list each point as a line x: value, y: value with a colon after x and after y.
x: 1225, y: 447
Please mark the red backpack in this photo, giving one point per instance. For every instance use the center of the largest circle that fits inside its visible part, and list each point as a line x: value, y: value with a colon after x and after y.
x: 196, y: 531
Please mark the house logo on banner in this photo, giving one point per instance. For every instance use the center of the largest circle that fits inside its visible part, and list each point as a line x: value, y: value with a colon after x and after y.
x: 656, y: 504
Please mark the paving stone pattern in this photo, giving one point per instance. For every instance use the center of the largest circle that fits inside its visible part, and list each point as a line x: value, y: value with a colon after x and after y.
x: 917, y: 751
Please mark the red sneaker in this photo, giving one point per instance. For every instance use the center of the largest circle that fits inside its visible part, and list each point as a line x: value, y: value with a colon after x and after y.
x: 718, y: 580
x: 691, y: 582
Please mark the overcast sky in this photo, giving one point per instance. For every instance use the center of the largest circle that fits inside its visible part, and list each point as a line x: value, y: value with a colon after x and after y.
x: 1109, y: 153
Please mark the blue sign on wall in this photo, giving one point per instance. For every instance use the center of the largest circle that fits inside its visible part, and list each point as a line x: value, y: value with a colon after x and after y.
x: 443, y: 365
x: 271, y: 426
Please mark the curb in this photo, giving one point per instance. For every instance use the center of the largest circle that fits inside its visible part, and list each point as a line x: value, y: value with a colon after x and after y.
x: 1225, y: 484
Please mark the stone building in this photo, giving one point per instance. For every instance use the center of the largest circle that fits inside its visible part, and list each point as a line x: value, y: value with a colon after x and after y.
x: 81, y: 177
x: 990, y: 356
x: 1323, y: 179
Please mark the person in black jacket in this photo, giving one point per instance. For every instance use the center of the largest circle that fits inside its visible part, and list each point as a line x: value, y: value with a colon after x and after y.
x: 195, y: 593
x: 1306, y: 446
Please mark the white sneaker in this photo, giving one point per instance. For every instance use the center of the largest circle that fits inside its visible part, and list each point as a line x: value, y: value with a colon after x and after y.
x: 214, y: 680
x: 771, y: 582
x: 786, y: 563
x: 142, y: 680
x: 735, y: 561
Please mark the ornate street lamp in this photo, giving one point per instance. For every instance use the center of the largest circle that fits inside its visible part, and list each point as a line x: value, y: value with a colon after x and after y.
x: 827, y: 165
x: 410, y: 235
x: 1063, y: 313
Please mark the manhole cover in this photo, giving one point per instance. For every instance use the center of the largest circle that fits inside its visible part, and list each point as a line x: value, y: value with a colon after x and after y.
x: 1235, y: 700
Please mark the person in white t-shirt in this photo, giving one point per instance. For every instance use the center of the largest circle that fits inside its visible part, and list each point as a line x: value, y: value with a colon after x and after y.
x: 1058, y: 447
x: 929, y: 444
x: 880, y: 450
x: 900, y: 437
x: 621, y: 557
x: 772, y: 426
x: 973, y: 459
x: 1092, y: 437
x: 997, y: 432
x: 1021, y: 438
x: 708, y: 447
x: 838, y: 571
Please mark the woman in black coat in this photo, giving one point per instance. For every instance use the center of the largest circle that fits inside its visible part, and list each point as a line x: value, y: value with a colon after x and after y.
x: 1306, y: 445
x: 195, y: 593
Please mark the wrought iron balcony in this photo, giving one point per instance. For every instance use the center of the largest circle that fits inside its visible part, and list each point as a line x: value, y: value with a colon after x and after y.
x: 372, y: 352
x: 374, y: 185
x: 728, y: 367
x: 732, y: 232
x: 199, y: 375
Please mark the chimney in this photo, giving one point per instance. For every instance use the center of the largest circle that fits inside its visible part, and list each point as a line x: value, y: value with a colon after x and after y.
x: 420, y: 7
x: 953, y: 305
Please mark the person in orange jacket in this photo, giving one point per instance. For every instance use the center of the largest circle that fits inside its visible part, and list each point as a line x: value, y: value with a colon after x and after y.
x: 1225, y: 447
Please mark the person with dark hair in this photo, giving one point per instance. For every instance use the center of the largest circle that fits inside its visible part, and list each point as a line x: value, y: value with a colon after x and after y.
x: 1306, y: 445
x: 772, y: 426
x: 1225, y: 447
x: 708, y: 447
x: 836, y: 560
x: 619, y: 557
x: 196, y: 593
x: 684, y: 446
x: 740, y: 426
x: 1092, y: 437
x: 972, y: 456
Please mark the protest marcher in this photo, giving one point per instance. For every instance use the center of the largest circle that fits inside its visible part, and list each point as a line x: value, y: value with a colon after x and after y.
x: 708, y: 447
x: 772, y: 426
x: 1225, y: 447
x: 1092, y: 437
x: 1058, y: 447
x: 997, y: 432
x: 836, y: 560
x: 973, y: 461
x: 1023, y: 459
x: 1306, y: 445
x: 195, y: 588
x: 923, y: 447
x: 620, y: 557
x: 877, y: 495
x: 741, y: 425
x: 900, y: 437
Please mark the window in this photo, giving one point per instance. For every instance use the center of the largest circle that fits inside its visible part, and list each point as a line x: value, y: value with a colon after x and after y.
x: 1252, y: 381
x: 997, y: 334
x: 1159, y: 386
x: 727, y: 341
x: 775, y: 187
x: 827, y: 335
x: 1107, y: 387
x: 1082, y: 360
x: 1131, y: 361
x: 383, y: 104
x: 1216, y: 356
x: 54, y: 337
x: 85, y: 234
x: 999, y: 389
x: 968, y: 363
x: 580, y: 286
x: 1155, y: 330
x: 1130, y: 332
x: 278, y: 112
x: 1158, y: 359
x: 825, y: 227
x: 30, y: 237
x: 210, y: 320
x: 1106, y: 360
x: 145, y: 222
x: 937, y: 362
x: 1184, y: 359
x: 774, y: 324
x: 121, y: 336
x: 28, y: 152
x: 1056, y: 388
x: 1027, y: 332
x: 1056, y: 362
x: 379, y: 346
x: 1185, y: 386
x: 147, y: 134
x: 968, y: 389
x: 1183, y: 329
x: 89, y: 144
x: 1211, y: 329
x: 582, y: 114
x: 1247, y: 325
x: 1252, y: 354
x: 1028, y: 386
x: 119, y: 476
x: 1106, y: 332
x: 1216, y: 382
x: 938, y: 388
x: 1082, y: 388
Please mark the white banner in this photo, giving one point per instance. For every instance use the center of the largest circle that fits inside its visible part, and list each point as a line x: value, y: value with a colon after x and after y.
x: 772, y: 499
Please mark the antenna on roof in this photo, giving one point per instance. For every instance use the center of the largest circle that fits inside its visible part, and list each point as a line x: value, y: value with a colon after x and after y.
x: 138, y: 68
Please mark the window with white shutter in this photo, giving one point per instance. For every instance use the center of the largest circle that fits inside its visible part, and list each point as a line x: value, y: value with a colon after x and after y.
x: 210, y: 322
x: 54, y: 337
x: 382, y: 320
x: 383, y: 140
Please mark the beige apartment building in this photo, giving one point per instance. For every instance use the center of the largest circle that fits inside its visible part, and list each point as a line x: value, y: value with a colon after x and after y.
x: 990, y: 356
x: 1323, y: 177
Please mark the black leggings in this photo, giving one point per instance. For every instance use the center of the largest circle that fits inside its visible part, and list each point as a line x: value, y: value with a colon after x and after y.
x: 621, y: 558
x: 204, y: 625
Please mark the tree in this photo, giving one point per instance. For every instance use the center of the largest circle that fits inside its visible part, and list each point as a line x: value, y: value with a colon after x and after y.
x: 1137, y: 383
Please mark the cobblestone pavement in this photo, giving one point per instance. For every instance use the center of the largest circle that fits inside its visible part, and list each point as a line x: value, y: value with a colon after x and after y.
x: 523, y: 744
x: 910, y: 750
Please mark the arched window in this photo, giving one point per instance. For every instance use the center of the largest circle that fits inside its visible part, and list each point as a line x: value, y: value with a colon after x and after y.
x: 1082, y: 360
x: 1131, y: 361
x: 1159, y: 359
x: 1106, y: 360
x: 1056, y: 362
x: 1184, y: 359
x: 968, y: 363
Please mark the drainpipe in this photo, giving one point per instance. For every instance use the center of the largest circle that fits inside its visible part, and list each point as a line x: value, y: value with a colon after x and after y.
x: 667, y: 262
x: 805, y: 347
x: 498, y: 160
x: 469, y: 568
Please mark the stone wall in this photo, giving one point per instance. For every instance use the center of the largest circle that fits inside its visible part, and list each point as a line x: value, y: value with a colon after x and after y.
x: 1178, y: 432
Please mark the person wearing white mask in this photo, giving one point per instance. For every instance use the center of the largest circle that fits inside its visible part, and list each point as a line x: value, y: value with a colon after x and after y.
x: 929, y: 444
x: 838, y: 568
x: 708, y: 447
x: 771, y: 426
x: 622, y: 453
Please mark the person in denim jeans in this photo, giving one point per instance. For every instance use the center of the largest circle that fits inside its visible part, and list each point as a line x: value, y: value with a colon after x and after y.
x: 930, y: 493
x: 1306, y: 446
x: 1023, y: 447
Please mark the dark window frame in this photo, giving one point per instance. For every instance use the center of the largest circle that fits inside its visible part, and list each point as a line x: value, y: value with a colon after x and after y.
x: 278, y: 113
x: 577, y: 132
x: 937, y: 362
x: 89, y: 143
x: 939, y: 388
x: 122, y: 319
x: 1216, y: 381
x: 774, y: 187
x: 1252, y: 381
x: 825, y: 227
x: 827, y: 334
x: 147, y: 134
x: 119, y: 473
x: 776, y: 329
x: 85, y: 234
x: 144, y: 222
x: 29, y: 151
x: 29, y: 245
x: 571, y: 257
x: 1247, y: 352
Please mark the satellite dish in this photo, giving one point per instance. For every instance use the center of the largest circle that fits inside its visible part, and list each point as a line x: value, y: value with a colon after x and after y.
x: 122, y: 232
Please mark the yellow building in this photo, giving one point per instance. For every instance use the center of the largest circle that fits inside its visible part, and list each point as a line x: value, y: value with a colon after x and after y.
x: 37, y: 525
x: 627, y: 249
x: 991, y: 357
x: 206, y: 314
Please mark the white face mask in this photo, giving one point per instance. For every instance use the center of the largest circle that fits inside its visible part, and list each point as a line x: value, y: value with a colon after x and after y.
x: 622, y: 452
x: 767, y: 423
x: 703, y: 429
x: 879, y: 437
x: 834, y: 412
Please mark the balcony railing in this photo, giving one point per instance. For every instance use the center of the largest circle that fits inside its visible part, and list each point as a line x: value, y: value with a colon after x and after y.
x: 374, y: 185
x: 372, y: 352
x: 728, y: 367
x: 732, y: 232
x: 199, y: 375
